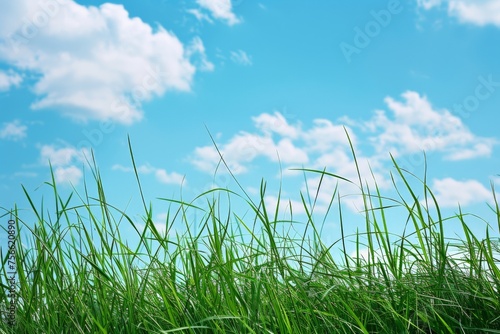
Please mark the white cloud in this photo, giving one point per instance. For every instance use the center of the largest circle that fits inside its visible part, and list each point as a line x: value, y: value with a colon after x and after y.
x: 142, y: 169
x: 365, y: 255
x: 13, y: 131
x: 416, y: 126
x: 241, y: 57
x: 450, y: 192
x: 478, y: 12
x: 63, y: 161
x: 458, y: 257
x: 71, y: 175
x: 410, y: 126
x: 276, y: 123
x: 245, y: 147
x: 324, y: 135
x: 287, y: 206
x: 168, y: 178
x: 199, y: 15
x: 9, y: 79
x: 196, y: 47
x: 61, y: 156
x: 220, y: 9
x: 161, y: 228
x: 428, y: 4
x: 287, y: 152
x: 351, y: 195
x: 94, y: 62
x: 161, y: 174
x: 496, y: 179
x: 479, y: 149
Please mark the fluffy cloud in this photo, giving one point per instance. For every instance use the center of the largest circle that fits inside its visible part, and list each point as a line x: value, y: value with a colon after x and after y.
x: 161, y: 174
x: 416, y: 126
x: 276, y: 123
x: 64, y: 161
x: 408, y: 127
x: 94, y: 62
x: 478, y: 12
x: 324, y: 135
x: 168, y: 178
x: 71, y: 175
x: 9, y: 79
x: 61, y: 156
x: 450, y: 192
x: 220, y: 9
x: 13, y: 131
x: 245, y: 147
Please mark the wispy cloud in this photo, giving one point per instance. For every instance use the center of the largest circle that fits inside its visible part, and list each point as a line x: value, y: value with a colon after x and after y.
x: 161, y: 174
x: 197, y: 49
x: 14, y: 130
x: 220, y: 9
x: 9, y: 79
x: 95, y: 62
x: 241, y: 57
x: 200, y: 16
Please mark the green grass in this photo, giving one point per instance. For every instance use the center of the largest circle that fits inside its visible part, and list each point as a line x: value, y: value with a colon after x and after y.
x: 244, y: 273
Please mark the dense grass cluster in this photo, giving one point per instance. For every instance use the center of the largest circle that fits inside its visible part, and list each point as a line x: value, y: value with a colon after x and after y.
x: 78, y: 274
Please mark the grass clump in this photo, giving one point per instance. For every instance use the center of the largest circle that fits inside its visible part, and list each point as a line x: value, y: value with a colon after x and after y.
x: 77, y: 273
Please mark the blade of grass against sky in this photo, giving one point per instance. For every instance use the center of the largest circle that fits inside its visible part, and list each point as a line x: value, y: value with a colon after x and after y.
x: 237, y: 275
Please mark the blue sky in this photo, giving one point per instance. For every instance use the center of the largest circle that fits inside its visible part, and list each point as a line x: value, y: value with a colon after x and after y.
x: 274, y: 82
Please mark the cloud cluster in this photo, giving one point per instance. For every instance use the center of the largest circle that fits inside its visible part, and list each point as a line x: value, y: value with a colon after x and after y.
x: 415, y: 126
x: 93, y: 62
x: 408, y: 127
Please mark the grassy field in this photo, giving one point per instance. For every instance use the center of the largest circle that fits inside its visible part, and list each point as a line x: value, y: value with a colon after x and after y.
x: 76, y: 273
